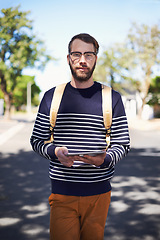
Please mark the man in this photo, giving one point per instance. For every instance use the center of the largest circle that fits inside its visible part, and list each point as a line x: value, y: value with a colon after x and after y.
x: 81, y: 187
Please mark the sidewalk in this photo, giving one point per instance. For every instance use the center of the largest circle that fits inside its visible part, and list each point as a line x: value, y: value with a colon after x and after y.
x: 145, y: 125
x: 9, y: 128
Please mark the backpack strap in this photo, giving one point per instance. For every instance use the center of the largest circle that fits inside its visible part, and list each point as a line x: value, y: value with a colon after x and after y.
x: 56, y: 100
x: 106, y: 107
x: 107, y: 110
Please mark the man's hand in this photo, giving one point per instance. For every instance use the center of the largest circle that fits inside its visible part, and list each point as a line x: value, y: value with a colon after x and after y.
x: 93, y: 160
x: 61, y: 153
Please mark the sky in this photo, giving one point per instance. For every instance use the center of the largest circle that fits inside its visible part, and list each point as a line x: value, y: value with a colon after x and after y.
x: 57, y: 21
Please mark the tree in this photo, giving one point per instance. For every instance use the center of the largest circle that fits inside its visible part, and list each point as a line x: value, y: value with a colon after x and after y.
x: 145, y: 42
x: 113, y: 67
x: 20, y: 91
x: 154, y: 92
x: 153, y: 98
x: 19, y: 48
x: 107, y: 67
x: 19, y: 95
x: 133, y: 62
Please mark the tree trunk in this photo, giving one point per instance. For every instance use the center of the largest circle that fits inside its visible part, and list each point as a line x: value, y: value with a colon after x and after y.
x: 7, y: 100
x: 146, y: 90
x: 7, y: 96
x: 141, y: 109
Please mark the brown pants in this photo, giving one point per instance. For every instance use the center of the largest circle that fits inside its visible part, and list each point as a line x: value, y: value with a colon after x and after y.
x: 78, y: 218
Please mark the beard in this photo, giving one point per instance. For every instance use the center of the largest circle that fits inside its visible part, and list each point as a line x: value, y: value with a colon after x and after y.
x: 82, y: 77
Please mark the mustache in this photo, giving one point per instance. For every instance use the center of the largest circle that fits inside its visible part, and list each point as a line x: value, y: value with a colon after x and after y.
x: 82, y: 66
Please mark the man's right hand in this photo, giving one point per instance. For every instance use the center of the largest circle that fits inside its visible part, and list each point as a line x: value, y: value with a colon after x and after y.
x: 61, y: 153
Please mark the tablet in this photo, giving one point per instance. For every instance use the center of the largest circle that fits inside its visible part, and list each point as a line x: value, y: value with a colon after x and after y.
x: 81, y: 154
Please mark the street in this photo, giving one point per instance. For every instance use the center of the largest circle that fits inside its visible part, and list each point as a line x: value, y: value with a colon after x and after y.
x: 134, y: 212
x: 135, y: 209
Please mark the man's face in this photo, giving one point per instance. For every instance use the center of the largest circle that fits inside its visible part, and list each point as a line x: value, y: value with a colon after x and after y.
x: 82, y: 67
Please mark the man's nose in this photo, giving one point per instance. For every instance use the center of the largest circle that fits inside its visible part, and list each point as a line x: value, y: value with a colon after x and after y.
x: 82, y: 58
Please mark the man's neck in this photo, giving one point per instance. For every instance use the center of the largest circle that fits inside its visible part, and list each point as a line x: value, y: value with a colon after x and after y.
x: 83, y: 84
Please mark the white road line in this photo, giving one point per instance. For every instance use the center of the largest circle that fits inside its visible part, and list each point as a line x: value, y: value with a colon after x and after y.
x: 4, y: 137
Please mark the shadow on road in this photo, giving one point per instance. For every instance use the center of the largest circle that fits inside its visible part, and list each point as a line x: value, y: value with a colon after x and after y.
x: 25, y: 186
x: 134, y: 213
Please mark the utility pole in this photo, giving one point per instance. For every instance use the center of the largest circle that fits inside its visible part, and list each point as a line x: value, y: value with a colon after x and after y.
x: 29, y: 84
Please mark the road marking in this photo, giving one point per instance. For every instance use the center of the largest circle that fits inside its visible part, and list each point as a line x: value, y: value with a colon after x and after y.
x: 4, y: 137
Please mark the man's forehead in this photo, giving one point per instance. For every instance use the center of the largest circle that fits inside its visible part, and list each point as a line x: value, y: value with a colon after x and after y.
x: 79, y: 45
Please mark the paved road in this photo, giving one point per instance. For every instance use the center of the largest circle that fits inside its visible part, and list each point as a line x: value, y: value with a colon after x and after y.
x: 135, y: 207
x: 134, y: 213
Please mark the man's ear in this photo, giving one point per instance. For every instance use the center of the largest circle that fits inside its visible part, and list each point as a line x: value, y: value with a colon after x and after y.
x: 68, y: 58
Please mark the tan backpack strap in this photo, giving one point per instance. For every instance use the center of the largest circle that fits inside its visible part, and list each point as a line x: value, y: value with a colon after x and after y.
x: 56, y: 100
x: 57, y: 96
x: 107, y: 110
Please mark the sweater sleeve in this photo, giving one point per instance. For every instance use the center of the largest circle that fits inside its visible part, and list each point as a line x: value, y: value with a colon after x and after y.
x: 41, y: 131
x: 119, y: 139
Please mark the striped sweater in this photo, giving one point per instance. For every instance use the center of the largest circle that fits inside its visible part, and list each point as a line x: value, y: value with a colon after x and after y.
x: 80, y: 127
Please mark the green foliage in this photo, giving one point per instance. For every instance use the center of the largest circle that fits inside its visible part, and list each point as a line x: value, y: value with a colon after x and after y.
x: 155, y: 85
x: 145, y: 43
x: 19, y: 48
x: 113, y: 67
x: 154, y: 92
x: 132, y: 63
x: 20, y: 91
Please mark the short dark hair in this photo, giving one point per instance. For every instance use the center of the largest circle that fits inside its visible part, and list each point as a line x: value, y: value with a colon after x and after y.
x: 85, y: 37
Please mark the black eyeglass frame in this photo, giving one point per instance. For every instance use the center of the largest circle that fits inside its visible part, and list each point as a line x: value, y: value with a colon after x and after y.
x: 82, y: 53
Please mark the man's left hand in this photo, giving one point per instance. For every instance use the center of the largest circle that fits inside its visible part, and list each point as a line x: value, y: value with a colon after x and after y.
x: 93, y: 160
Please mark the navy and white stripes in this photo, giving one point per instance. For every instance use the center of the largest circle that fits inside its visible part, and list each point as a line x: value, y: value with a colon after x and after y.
x: 79, y: 127
x: 80, y: 132
x: 85, y: 174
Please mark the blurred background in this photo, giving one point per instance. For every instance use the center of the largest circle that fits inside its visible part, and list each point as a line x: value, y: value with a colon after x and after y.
x: 34, y: 45
x: 34, y: 37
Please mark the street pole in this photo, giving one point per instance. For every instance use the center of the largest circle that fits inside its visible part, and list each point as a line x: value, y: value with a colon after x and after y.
x: 29, y: 84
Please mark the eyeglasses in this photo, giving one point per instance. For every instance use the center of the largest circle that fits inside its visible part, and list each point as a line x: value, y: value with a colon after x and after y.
x: 75, y: 56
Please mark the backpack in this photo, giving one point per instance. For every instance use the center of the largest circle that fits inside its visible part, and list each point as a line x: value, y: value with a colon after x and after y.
x: 106, y: 107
